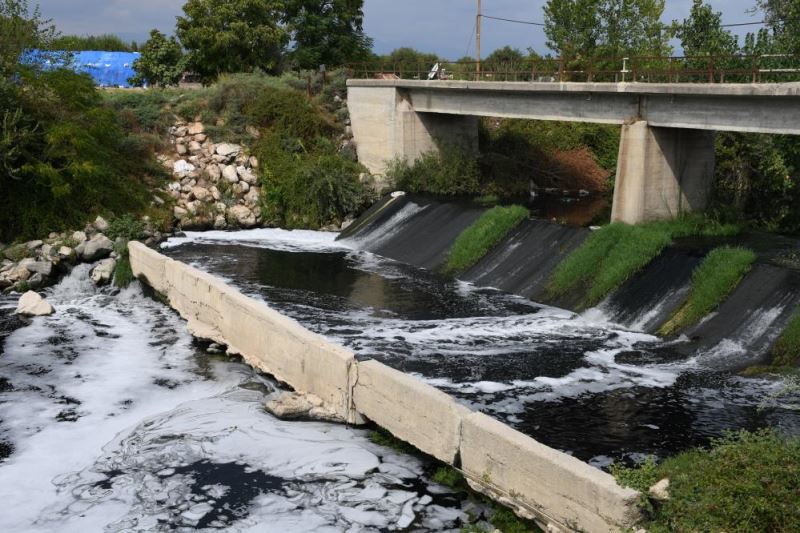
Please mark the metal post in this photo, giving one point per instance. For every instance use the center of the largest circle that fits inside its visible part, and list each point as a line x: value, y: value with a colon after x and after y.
x: 478, y: 43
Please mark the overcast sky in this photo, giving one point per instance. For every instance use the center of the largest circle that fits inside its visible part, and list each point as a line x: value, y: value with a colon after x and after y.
x: 445, y: 27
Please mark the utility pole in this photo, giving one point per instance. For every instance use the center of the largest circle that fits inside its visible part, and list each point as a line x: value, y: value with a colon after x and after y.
x: 478, y: 43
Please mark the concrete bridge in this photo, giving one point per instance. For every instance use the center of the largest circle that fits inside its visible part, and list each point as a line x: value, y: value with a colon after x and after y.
x: 666, y: 157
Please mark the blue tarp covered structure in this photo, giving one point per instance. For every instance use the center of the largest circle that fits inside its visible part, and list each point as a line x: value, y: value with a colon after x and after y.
x: 109, y: 69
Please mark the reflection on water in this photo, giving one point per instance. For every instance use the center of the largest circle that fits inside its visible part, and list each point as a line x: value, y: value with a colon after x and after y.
x: 574, y: 382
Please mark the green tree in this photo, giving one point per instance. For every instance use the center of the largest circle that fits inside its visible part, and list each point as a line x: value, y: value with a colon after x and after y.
x: 223, y: 36
x: 702, y: 34
x: 326, y: 32
x: 106, y: 43
x: 407, y: 62
x: 783, y: 17
x: 572, y: 27
x: 162, y: 62
x: 21, y: 29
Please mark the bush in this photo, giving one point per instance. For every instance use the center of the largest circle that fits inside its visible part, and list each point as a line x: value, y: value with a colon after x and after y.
x: 744, y: 482
x: 615, y: 252
x: 483, y: 235
x: 717, y: 276
x: 452, y: 172
x: 126, y: 227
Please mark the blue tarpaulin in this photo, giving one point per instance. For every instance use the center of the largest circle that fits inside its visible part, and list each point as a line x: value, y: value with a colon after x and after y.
x: 109, y: 69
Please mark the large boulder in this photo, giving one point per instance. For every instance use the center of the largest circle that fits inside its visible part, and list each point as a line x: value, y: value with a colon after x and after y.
x: 246, y: 175
x: 228, y: 149
x: 242, y: 216
x: 98, y: 247
x: 100, y: 224
x: 213, y: 172
x: 45, y: 268
x: 104, y: 271
x: 201, y: 193
x: 180, y: 213
x: 31, y: 304
x: 230, y: 174
x: 196, y: 128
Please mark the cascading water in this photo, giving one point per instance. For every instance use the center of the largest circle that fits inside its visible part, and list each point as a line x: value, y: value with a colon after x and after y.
x: 113, y: 419
x: 596, y: 389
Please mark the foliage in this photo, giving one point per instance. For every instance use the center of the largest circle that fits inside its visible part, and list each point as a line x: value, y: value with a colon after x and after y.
x: 786, y: 351
x: 406, y: 62
x: 450, y: 477
x: 702, y: 34
x: 127, y: 227
x: 162, y: 62
x: 452, y: 171
x: 717, y: 276
x: 224, y: 36
x: 105, y: 43
x: 506, y: 521
x: 123, y: 272
x: 382, y: 437
x: 744, y: 482
x: 614, y: 253
x: 327, y: 32
x: 483, y: 235
x: 21, y: 29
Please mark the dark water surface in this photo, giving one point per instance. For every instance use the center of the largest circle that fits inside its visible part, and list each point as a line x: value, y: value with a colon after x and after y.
x: 575, y: 382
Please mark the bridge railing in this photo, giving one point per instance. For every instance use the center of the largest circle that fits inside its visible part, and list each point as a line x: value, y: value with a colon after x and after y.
x: 763, y: 68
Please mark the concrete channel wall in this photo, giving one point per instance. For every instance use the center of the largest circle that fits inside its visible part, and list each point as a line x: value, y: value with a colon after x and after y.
x: 538, y: 482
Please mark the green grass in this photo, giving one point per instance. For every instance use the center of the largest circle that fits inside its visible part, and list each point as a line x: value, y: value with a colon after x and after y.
x: 717, y: 276
x: 786, y: 351
x: 383, y: 438
x: 744, y: 482
x: 483, y: 235
x: 123, y: 272
x: 615, y: 252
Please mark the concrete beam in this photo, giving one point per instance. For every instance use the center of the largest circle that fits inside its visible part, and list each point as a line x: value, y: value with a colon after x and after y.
x: 661, y: 173
x: 762, y: 108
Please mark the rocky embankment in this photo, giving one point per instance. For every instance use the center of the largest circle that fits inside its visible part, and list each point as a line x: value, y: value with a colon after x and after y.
x: 213, y: 184
x: 36, y: 264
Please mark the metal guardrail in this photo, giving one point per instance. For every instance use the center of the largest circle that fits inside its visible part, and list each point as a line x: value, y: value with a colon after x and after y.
x: 764, y: 68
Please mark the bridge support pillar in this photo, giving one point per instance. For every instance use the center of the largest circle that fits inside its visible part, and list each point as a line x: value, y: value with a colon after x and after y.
x: 662, y: 172
x: 386, y: 127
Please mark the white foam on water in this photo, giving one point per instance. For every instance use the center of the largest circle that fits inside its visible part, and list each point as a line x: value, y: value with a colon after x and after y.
x: 741, y: 347
x: 272, y: 238
x: 115, y: 418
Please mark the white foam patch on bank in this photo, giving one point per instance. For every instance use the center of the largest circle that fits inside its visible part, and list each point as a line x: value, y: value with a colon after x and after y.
x: 119, y: 424
x: 272, y: 238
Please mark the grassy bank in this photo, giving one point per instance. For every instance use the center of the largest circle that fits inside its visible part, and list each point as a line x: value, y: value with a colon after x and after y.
x: 483, y: 235
x: 615, y: 252
x: 717, y: 276
x: 786, y: 352
x: 745, y: 482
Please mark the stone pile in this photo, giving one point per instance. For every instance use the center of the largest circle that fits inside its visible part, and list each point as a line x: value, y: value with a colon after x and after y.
x: 214, y: 184
x: 39, y: 263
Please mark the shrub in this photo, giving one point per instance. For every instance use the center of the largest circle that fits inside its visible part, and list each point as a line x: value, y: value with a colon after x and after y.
x: 717, y: 276
x: 123, y: 272
x: 126, y: 226
x: 744, y: 482
x: 483, y: 235
x: 451, y: 171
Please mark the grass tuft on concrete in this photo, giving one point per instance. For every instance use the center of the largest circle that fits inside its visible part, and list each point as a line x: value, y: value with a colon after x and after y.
x: 483, y: 235
x: 615, y: 252
x: 717, y: 276
x: 786, y: 352
x: 743, y: 482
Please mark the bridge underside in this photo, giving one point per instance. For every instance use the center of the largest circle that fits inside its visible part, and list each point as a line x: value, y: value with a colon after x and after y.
x: 666, y: 158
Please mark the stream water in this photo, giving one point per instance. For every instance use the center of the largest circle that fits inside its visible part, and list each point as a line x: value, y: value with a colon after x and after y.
x: 113, y: 419
x: 578, y: 383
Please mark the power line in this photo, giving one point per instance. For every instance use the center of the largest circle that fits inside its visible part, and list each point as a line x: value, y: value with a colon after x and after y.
x: 516, y: 21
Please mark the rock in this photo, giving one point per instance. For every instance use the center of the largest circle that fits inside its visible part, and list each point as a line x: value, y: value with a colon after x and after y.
x: 45, y: 268
x: 195, y: 148
x: 33, y: 245
x: 253, y: 160
x: 195, y: 128
x: 251, y: 198
x: 98, y: 247
x: 220, y: 222
x: 31, y: 304
x: 660, y: 491
x: 230, y: 174
x: 201, y: 193
x: 78, y: 237
x: 293, y: 406
x: 179, y: 212
x: 100, y: 224
x: 215, y: 194
x: 213, y: 172
x: 17, y: 273
x: 193, y: 207
x: 227, y: 149
x: 347, y: 223
x: 181, y: 168
x: 181, y: 149
x: 35, y: 281
x: 201, y: 137
x: 246, y: 175
x: 180, y: 131
x: 66, y: 253
x: 253, y: 132
x: 241, y: 187
x: 242, y: 216
x: 220, y: 207
x: 103, y: 272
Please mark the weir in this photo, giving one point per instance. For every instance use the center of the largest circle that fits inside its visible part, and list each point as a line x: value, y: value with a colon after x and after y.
x: 666, y: 157
x: 557, y: 490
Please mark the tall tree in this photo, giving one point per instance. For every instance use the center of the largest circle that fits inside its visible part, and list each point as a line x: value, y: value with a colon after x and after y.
x: 326, y: 32
x: 633, y: 28
x: 702, y: 34
x: 783, y: 17
x: 232, y: 36
x: 572, y: 27
x: 162, y: 62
